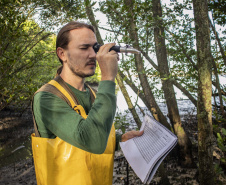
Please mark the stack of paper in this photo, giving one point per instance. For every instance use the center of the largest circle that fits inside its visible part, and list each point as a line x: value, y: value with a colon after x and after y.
x: 145, y: 153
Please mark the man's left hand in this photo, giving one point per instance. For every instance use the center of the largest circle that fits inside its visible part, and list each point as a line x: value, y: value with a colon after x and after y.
x: 131, y: 134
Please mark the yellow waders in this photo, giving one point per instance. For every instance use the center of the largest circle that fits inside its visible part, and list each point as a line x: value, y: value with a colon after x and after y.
x: 59, y: 163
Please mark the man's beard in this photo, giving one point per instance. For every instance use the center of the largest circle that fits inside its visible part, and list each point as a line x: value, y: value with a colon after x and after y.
x: 80, y: 73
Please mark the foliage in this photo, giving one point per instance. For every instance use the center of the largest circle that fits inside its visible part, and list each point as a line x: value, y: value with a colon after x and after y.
x: 218, y: 8
x: 180, y: 40
x: 27, y: 57
x: 53, y: 14
x: 27, y: 49
x: 179, y: 33
x: 121, y: 122
x: 27, y: 53
x: 96, y: 77
x: 221, y: 140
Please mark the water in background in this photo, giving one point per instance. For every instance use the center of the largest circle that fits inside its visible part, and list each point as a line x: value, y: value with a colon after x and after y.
x: 183, y: 103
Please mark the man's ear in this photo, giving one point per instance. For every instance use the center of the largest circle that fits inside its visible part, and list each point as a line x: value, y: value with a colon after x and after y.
x: 61, y: 53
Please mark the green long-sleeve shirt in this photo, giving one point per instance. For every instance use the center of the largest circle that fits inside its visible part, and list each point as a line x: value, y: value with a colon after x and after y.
x: 54, y: 117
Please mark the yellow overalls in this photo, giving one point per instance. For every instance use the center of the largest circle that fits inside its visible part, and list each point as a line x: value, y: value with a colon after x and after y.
x: 59, y: 163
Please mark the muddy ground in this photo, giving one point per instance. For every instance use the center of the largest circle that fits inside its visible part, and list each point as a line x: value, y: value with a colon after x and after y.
x: 16, y: 164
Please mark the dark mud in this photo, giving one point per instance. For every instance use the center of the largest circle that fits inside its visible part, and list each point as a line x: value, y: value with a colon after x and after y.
x: 17, y: 168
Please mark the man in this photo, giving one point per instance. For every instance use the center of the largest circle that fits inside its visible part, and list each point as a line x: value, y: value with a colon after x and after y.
x: 75, y: 147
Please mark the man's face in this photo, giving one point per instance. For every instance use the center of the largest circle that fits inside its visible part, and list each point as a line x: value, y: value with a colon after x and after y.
x: 80, y: 56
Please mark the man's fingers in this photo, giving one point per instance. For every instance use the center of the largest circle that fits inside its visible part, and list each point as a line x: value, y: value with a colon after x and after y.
x: 105, y: 48
x: 131, y: 134
x: 113, y: 52
x: 138, y: 133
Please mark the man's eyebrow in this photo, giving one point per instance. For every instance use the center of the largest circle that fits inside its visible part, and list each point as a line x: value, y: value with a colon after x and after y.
x: 87, y: 45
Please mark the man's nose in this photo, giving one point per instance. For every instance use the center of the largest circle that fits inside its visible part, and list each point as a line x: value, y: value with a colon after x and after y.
x: 92, y: 53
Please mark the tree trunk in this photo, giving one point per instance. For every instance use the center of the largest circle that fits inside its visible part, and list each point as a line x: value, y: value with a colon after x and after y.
x: 218, y: 41
x: 215, y: 67
x: 91, y: 17
x: 155, y: 110
x: 93, y: 21
x: 179, y: 86
x: 185, y: 146
x: 185, y: 91
x: 218, y: 86
x: 204, y: 107
x: 134, y: 88
x: 128, y: 101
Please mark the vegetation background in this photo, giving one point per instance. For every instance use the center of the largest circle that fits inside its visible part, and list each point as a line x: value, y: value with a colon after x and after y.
x: 182, y: 46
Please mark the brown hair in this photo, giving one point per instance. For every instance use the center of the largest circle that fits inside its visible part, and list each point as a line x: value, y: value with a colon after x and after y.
x: 63, y: 35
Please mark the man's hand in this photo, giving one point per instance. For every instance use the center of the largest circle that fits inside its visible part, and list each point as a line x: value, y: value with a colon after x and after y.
x: 108, y: 62
x: 131, y: 134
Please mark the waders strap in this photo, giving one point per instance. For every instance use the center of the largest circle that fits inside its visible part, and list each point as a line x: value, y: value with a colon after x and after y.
x: 92, y: 93
x: 68, y: 90
x: 64, y: 92
x: 59, y: 88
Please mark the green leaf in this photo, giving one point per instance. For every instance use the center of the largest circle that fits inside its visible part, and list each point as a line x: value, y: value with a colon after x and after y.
x: 223, y: 131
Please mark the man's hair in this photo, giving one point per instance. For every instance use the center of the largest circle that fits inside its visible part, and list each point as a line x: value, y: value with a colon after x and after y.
x: 63, y: 37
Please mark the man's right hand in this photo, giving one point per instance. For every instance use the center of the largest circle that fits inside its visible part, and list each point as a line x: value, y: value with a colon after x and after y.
x: 108, y: 62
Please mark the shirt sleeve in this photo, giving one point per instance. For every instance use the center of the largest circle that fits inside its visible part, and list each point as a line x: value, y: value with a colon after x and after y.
x: 53, y: 115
